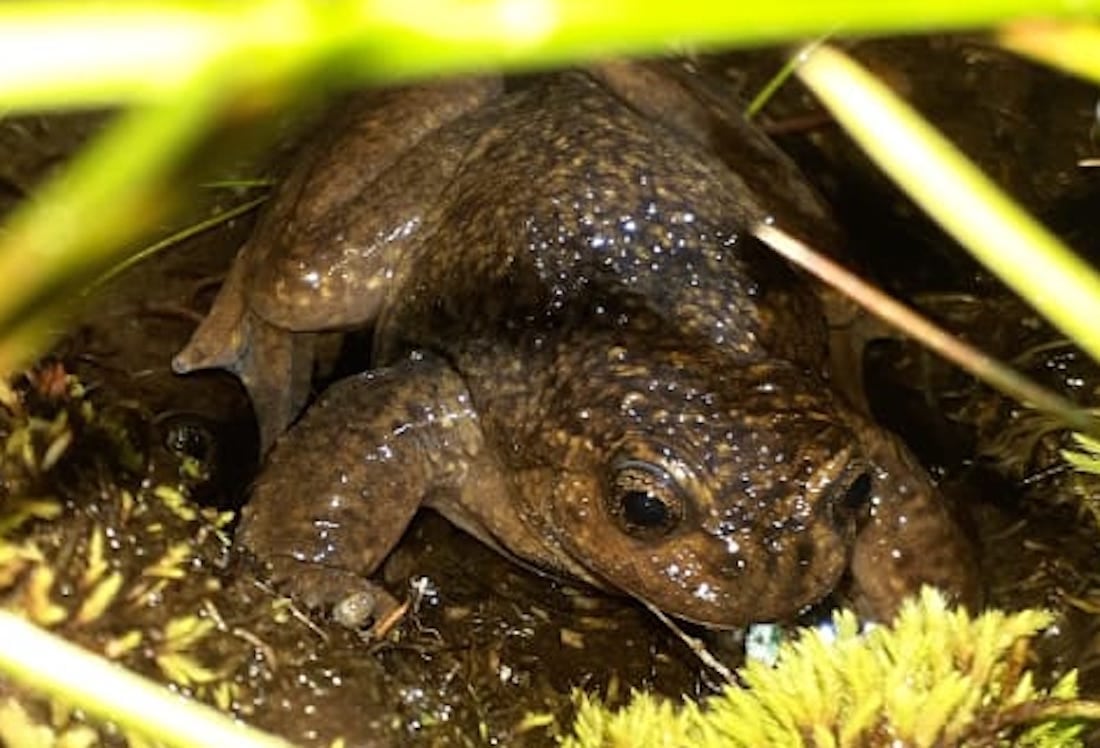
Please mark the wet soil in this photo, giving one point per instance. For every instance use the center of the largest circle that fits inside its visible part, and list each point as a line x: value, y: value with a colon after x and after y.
x: 487, y: 652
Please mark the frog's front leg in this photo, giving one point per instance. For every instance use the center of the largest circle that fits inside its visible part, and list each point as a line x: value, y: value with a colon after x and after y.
x: 340, y: 487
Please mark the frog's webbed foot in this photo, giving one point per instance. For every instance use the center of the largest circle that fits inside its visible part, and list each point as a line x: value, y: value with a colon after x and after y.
x: 351, y: 600
x: 273, y: 364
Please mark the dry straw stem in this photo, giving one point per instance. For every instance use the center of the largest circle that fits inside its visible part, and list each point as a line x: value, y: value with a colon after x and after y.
x: 935, y: 338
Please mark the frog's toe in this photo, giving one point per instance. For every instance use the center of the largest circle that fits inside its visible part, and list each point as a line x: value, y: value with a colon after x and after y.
x: 217, y: 343
x: 221, y: 339
x: 349, y: 599
x: 202, y: 353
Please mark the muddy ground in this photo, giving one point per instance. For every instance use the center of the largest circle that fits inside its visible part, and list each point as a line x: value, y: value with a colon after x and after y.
x: 487, y: 652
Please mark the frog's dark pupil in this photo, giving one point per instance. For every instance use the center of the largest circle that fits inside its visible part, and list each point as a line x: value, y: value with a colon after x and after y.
x: 859, y: 491
x: 643, y: 509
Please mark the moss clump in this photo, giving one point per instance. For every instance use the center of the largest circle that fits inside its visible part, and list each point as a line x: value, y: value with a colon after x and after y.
x: 934, y: 677
x: 131, y: 573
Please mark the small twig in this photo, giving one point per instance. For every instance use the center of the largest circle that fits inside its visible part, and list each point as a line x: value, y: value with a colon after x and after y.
x: 694, y: 644
x: 1041, y: 475
x: 798, y: 123
x: 385, y: 624
x: 173, y: 311
x: 293, y: 609
x: 265, y: 649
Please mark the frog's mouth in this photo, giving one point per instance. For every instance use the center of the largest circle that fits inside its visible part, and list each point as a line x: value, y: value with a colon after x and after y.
x: 767, y: 580
x: 720, y: 581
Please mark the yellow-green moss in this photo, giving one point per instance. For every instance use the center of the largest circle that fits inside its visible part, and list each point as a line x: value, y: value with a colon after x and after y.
x: 934, y: 677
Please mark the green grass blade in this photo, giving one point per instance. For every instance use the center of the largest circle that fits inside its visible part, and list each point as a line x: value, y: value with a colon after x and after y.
x: 84, y: 218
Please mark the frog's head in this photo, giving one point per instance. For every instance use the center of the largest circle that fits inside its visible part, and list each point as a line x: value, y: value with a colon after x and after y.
x: 721, y: 498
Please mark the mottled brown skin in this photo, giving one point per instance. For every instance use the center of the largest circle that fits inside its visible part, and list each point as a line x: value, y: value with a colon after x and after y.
x: 585, y: 361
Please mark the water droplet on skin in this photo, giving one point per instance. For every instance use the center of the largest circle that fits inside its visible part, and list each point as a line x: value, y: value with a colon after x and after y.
x: 706, y: 593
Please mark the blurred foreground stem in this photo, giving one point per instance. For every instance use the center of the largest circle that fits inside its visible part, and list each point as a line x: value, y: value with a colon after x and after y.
x: 98, y: 686
x: 128, y: 182
x: 108, y: 196
x: 1073, y: 47
x: 76, y: 53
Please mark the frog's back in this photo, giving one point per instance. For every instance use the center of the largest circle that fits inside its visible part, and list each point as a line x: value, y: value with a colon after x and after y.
x: 571, y: 200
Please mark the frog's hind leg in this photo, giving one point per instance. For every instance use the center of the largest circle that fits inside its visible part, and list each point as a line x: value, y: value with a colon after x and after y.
x: 702, y: 108
x: 273, y: 364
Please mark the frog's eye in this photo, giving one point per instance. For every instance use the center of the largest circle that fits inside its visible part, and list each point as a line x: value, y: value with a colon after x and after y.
x: 644, y: 498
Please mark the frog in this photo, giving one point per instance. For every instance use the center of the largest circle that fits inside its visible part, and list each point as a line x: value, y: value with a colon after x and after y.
x: 581, y: 356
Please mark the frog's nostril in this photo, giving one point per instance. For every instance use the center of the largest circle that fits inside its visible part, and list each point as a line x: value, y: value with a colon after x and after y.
x: 858, y: 493
x: 849, y: 503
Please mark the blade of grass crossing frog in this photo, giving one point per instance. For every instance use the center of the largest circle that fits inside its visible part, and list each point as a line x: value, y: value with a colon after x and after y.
x: 951, y: 189
x: 47, y: 662
x: 981, y: 365
x: 774, y: 84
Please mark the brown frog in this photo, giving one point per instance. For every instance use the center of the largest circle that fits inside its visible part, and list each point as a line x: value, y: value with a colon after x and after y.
x: 583, y: 358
